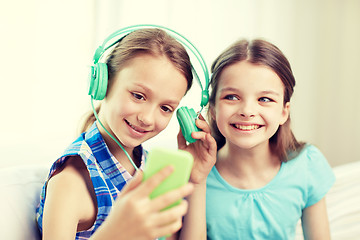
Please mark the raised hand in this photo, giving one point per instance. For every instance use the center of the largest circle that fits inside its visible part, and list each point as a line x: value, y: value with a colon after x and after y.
x: 203, y: 150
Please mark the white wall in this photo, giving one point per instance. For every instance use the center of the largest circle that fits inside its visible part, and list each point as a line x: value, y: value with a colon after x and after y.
x: 47, y: 46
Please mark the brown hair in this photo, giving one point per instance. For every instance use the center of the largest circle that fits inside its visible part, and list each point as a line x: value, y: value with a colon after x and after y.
x: 264, y: 53
x: 151, y: 41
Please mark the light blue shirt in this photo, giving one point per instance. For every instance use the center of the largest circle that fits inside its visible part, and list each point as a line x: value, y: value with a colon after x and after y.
x: 270, y: 212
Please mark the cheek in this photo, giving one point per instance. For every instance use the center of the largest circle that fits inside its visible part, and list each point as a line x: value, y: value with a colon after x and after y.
x: 221, y: 117
x: 162, y: 122
x: 121, y: 110
x: 273, y: 117
x: 116, y: 111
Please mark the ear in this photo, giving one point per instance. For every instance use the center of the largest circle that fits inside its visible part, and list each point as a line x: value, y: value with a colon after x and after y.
x: 285, y: 113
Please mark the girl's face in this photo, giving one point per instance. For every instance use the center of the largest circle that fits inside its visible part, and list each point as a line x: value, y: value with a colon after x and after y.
x: 142, y: 99
x: 249, y: 105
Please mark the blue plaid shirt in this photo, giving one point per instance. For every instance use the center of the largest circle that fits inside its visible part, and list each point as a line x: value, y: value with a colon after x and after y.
x: 107, y: 174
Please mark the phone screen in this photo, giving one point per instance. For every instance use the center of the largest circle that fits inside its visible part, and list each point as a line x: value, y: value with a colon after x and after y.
x: 158, y: 158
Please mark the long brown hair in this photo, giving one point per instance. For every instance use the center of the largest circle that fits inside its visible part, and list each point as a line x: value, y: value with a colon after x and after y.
x: 263, y: 53
x: 153, y: 41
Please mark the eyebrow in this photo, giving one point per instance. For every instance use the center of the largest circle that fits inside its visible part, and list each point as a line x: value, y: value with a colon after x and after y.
x: 270, y: 92
x: 231, y: 89
x: 146, y: 89
x: 143, y: 87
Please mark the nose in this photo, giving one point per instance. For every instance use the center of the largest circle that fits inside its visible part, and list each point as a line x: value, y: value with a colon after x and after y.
x: 146, y: 116
x: 247, y: 109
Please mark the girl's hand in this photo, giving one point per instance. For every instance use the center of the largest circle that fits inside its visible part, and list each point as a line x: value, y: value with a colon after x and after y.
x: 203, y: 150
x: 136, y: 216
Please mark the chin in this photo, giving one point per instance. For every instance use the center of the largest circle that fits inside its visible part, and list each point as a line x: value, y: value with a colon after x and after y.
x: 246, y: 145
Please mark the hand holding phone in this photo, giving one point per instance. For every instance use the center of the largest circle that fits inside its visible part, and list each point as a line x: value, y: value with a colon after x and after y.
x: 159, y: 158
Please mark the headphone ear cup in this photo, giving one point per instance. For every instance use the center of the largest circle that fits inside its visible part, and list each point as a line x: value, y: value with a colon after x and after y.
x: 186, y: 118
x: 101, y: 80
x: 98, y: 81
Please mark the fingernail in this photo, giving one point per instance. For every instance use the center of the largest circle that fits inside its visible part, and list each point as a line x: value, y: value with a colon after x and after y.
x: 169, y: 168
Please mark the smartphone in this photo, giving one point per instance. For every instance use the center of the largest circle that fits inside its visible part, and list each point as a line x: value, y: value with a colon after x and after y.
x: 157, y: 159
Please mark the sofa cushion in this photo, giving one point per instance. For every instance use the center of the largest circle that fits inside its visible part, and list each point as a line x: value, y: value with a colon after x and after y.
x: 342, y: 203
x: 20, y: 188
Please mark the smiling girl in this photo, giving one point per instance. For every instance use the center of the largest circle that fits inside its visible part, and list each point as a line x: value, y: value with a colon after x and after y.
x: 264, y: 180
x: 88, y: 193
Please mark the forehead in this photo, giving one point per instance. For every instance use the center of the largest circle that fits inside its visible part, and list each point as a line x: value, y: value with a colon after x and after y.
x: 248, y: 76
x: 155, y: 74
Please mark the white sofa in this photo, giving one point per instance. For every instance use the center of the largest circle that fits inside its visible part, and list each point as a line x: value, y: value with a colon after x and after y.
x: 20, y: 188
x: 343, y: 204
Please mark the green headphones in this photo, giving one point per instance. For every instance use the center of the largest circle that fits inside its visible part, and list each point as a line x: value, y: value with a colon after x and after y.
x: 99, y: 76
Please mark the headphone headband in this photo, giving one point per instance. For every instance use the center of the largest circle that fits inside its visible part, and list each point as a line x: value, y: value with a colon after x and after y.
x: 116, y: 36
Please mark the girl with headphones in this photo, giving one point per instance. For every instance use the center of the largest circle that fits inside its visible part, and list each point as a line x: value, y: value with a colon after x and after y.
x: 88, y: 193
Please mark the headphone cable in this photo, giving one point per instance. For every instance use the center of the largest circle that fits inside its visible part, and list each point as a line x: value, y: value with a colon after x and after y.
x: 112, y: 137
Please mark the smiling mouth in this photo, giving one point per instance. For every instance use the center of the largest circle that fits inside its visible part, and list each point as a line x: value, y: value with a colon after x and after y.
x: 135, y: 128
x: 246, y: 127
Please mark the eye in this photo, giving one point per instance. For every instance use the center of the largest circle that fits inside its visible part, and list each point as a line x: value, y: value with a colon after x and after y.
x: 138, y: 96
x: 166, y: 109
x: 231, y: 97
x: 265, y: 99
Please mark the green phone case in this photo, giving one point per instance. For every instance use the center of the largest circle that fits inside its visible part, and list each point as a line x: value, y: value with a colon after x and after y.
x: 159, y: 158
